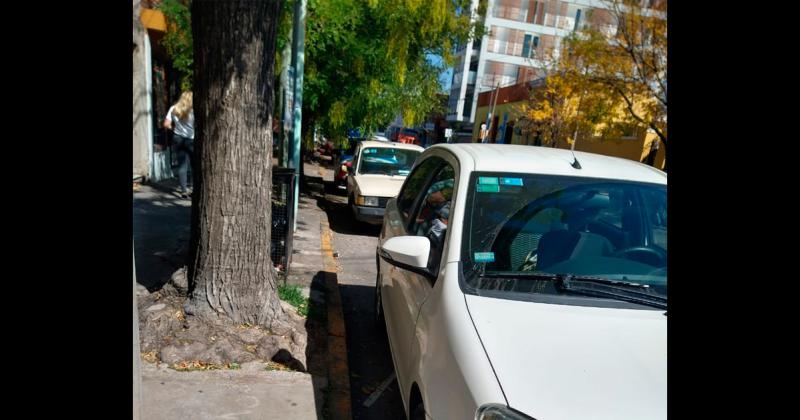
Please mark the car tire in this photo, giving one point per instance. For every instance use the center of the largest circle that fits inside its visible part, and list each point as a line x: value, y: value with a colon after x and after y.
x: 417, y: 412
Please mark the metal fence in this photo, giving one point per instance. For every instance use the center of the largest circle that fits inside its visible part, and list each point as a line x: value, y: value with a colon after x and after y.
x: 283, y: 180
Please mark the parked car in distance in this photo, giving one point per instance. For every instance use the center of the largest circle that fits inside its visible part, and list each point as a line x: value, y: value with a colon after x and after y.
x: 344, y: 159
x: 377, y: 172
x: 514, y: 285
x: 340, y: 176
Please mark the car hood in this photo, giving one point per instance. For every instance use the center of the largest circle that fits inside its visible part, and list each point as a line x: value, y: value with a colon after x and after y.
x: 559, y: 362
x: 379, y: 185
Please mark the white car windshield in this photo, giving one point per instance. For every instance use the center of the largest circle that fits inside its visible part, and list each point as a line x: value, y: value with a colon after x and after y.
x: 387, y: 161
x: 524, y: 231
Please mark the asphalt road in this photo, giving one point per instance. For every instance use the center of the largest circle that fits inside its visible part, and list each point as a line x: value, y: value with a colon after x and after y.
x: 369, y: 358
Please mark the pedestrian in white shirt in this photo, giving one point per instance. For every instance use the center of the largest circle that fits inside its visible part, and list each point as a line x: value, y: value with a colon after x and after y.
x: 180, y: 119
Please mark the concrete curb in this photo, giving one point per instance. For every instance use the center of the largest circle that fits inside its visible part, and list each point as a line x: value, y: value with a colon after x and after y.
x: 338, y: 370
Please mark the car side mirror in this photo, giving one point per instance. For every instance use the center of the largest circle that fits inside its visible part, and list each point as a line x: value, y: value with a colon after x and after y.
x: 350, y: 170
x: 408, y: 252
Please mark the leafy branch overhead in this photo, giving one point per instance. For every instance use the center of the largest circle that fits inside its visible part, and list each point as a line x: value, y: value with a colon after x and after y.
x: 610, y: 75
x: 178, y: 39
x: 366, y: 60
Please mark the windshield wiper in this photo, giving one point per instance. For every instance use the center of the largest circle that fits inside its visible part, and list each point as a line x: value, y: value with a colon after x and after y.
x: 596, y: 286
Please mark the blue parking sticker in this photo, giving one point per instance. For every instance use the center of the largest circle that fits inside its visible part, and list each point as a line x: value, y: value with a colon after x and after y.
x: 487, y: 180
x: 511, y: 181
x: 484, y: 257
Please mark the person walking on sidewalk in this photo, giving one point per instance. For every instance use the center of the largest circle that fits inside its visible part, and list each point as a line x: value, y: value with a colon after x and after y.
x: 180, y: 119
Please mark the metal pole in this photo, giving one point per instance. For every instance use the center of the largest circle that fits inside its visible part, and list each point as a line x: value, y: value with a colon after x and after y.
x: 298, y: 62
x: 285, y: 91
x: 488, y: 117
x: 491, y: 113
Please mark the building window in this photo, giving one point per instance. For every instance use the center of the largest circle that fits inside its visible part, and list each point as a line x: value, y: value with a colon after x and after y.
x: 526, y: 46
x: 577, y: 19
x: 529, y: 46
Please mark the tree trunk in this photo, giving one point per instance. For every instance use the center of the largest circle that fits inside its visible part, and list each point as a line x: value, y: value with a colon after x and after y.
x: 230, y: 269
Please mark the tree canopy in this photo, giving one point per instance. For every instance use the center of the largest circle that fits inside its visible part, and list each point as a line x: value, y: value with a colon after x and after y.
x: 366, y: 59
x: 609, y: 75
x: 178, y: 39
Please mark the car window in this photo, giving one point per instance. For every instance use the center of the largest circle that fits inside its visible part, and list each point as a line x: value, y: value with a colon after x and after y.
x: 387, y: 161
x: 433, y: 216
x: 528, y: 223
x: 658, y: 216
x: 436, y: 203
x: 413, y: 186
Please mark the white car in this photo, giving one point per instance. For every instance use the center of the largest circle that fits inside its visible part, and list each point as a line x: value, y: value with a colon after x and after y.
x: 376, y: 175
x: 517, y: 283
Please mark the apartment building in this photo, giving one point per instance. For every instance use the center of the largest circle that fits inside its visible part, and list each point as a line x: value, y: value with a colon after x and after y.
x: 522, y: 35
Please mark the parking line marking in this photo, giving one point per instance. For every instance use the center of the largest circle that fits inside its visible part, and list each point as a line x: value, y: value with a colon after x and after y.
x: 377, y: 393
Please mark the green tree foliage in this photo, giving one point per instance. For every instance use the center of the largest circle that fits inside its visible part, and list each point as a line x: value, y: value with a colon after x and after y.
x: 630, y: 63
x: 609, y: 76
x: 178, y: 39
x: 366, y: 59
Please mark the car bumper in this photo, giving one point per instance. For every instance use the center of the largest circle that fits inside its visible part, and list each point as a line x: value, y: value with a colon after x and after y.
x: 373, y: 215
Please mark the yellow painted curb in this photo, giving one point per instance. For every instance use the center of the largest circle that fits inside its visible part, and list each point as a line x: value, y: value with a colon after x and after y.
x: 338, y: 371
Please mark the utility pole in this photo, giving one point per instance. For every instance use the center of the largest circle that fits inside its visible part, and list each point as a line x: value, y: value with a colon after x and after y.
x: 286, y: 106
x: 493, y: 101
x: 298, y: 63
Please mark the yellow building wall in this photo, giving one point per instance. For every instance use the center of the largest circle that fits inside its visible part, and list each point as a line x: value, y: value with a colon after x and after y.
x: 635, y: 148
x: 500, y: 109
x: 628, y: 148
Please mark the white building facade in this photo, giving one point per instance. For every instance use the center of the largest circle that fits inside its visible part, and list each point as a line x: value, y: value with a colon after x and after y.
x: 520, y: 37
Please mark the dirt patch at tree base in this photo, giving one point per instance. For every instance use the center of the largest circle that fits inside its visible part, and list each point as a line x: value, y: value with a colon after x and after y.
x: 186, y: 342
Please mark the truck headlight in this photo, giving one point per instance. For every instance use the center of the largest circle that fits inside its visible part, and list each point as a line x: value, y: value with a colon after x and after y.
x: 499, y: 412
x: 367, y: 201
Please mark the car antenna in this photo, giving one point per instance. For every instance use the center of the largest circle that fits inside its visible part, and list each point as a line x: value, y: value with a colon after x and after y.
x: 575, y: 164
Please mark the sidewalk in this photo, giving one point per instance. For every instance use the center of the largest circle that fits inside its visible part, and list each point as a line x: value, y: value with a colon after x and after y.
x: 248, y: 393
x: 161, y: 234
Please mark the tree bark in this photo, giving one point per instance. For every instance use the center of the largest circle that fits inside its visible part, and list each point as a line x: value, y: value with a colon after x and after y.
x: 230, y: 269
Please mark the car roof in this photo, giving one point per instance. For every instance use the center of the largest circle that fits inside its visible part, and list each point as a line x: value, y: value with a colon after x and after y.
x: 374, y: 143
x: 550, y: 161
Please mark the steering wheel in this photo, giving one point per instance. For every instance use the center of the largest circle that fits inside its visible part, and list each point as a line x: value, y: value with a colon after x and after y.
x: 644, y: 254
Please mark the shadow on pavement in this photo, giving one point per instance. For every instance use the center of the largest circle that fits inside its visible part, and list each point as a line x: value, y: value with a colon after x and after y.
x: 341, y: 219
x: 317, y: 346
x: 161, y: 235
x: 368, y: 356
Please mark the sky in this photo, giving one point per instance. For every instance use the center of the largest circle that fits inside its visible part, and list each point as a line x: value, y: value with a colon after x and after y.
x: 446, y: 77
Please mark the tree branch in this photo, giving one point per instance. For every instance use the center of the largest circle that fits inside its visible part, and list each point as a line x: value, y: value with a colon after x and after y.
x: 633, y: 113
